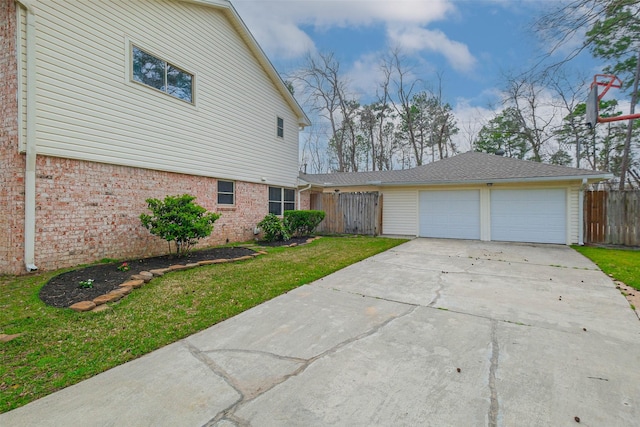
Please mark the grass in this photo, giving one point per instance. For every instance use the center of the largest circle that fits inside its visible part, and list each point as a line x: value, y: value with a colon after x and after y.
x: 621, y: 264
x: 59, y: 347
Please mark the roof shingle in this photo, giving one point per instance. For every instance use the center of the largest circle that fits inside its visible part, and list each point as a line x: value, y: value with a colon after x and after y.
x: 470, y: 167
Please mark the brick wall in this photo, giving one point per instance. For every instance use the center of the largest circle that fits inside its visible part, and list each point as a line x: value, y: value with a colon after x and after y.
x: 305, y: 199
x: 88, y: 211
x: 11, y: 162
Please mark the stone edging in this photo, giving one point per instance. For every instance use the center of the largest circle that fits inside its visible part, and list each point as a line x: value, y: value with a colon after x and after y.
x: 138, y: 280
x: 143, y: 277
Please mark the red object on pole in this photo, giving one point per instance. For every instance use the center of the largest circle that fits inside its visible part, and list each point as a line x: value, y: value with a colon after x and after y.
x: 611, y: 82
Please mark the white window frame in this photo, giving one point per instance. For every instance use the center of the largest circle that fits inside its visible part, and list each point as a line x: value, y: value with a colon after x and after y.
x: 281, y: 201
x: 167, y: 64
x: 279, y: 127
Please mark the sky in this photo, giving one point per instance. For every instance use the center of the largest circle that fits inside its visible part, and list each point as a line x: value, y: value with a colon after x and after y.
x: 471, y: 44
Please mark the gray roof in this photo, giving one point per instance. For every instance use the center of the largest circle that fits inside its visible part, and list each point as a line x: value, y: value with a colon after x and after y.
x: 470, y: 167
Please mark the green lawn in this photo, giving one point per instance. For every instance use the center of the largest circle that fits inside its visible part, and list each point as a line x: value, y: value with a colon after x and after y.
x: 59, y: 347
x: 621, y: 264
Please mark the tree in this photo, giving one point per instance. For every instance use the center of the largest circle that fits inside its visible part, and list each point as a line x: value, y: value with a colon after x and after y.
x: 574, y: 130
x: 503, y: 132
x: 616, y: 37
x: 602, y: 147
x: 178, y: 219
x: 407, y: 112
x: 560, y: 157
x: 532, y: 114
x: 326, y: 91
x: 611, y: 31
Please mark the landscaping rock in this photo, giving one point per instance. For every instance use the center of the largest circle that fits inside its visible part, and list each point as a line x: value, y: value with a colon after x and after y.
x: 83, y: 306
x: 177, y: 267
x: 132, y: 284
x: 100, y: 308
x: 214, y: 261
x: 143, y: 275
x: 124, y: 290
x: 146, y: 274
x: 243, y: 258
x: 159, y: 272
x: 103, y: 299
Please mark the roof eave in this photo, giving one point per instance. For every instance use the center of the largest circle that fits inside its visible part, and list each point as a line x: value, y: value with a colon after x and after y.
x: 589, y: 178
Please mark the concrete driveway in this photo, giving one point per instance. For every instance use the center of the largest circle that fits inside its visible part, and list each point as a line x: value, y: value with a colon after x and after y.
x: 431, y: 333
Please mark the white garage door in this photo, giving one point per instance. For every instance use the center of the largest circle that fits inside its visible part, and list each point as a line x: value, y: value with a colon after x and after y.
x: 450, y: 214
x: 529, y: 215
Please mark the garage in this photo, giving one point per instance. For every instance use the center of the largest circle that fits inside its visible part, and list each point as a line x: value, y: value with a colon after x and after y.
x: 474, y: 196
x: 537, y: 216
x: 450, y: 214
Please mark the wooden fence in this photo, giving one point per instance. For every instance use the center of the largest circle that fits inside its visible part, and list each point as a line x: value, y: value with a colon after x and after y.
x: 349, y: 213
x: 612, y: 217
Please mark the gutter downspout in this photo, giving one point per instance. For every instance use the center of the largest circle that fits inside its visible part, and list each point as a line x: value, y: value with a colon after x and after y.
x: 299, y: 192
x: 30, y: 160
x: 581, y: 212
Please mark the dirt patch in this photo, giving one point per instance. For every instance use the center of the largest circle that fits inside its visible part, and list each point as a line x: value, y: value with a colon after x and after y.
x: 64, y: 290
x: 632, y: 295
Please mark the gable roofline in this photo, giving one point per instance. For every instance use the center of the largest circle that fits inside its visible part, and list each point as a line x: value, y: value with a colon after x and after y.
x: 232, y: 15
x: 466, y: 168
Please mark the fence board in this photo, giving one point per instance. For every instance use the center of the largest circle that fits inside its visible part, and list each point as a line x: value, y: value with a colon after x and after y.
x: 612, y: 217
x: 349, y: 213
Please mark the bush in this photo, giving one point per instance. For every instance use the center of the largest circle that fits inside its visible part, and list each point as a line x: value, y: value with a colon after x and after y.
x: 273, y: 228
x: 179, y: 219
x: 302, y: 223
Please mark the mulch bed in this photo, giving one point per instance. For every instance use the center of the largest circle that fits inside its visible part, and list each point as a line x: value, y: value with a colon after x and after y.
x: 63, y: 290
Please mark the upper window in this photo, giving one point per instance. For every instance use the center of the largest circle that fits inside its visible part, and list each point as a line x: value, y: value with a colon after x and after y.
x: 226, y: 192
x: 281, y: 199
x: 159, y: 74
x: 280, y: 127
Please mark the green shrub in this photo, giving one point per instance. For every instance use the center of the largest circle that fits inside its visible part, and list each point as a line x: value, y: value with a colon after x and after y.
x: 302, y: 223
x: 178, y: 219
x: 273, y: 228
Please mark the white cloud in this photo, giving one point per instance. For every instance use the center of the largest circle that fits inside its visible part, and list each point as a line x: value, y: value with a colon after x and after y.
x: 416, y: 39
x: 365, y: 75
x: 329, y: 13
x: 470, y: 120
x: 278, y: 24
x: 283, y: 40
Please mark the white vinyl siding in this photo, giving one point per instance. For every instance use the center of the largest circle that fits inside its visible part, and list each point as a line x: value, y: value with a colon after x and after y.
x: 87, y: 107
x: 400, y: 212
x: 450, y: 214
x: 529, y: 215
x: 573, y: 215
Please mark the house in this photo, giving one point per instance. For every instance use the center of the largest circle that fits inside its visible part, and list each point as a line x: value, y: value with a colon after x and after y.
x: 108, y: 103
x: 475, y: 196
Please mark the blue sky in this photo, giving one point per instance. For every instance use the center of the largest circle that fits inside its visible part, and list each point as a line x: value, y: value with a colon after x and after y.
x: 471, y: 43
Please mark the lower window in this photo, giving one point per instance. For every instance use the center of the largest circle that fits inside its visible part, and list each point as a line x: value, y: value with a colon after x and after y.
x: 281, y: 199
x: 226, y: 192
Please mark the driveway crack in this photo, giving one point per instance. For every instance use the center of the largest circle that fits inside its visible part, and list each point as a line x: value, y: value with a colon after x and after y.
x: 494, y: 407
x: 439, y: 290
x: 229, y: 414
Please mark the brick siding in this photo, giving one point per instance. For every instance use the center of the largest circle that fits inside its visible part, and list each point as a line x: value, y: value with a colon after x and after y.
x: 87, y: 211
x: 11, y: 162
